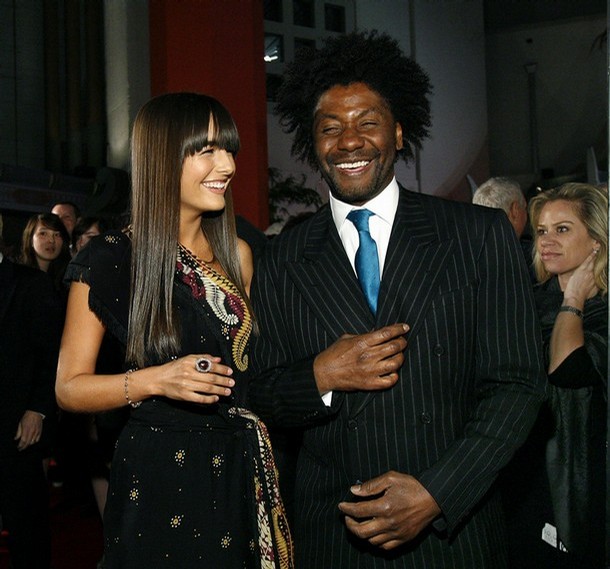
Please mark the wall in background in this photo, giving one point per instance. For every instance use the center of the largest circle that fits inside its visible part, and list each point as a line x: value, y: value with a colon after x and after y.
x: 571, y: 96
x: 22, y: 84
x: 480, y: 101
x: 450, y: 45
x: 447, y: 39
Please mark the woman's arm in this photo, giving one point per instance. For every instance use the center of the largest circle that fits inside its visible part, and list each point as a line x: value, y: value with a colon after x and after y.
x: 78, y: 388
x: 568, y: 333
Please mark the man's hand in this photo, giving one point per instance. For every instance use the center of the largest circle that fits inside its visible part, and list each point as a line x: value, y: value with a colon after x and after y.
x: 400, y: 509
x: 29, y: 430
x: 366, y: 362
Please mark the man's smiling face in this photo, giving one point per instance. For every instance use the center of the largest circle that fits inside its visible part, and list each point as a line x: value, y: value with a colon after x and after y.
x: 356, y: 140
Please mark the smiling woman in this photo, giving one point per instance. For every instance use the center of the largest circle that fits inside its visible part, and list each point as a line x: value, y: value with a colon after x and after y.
x: 192, y: 479
x: 205, y: 179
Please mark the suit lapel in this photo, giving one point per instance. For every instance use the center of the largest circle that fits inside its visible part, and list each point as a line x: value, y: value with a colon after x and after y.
x: 414, y: 262
x: 327, y: 281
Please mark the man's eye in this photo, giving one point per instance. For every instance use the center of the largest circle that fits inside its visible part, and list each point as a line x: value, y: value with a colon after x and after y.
x: 330, y: 130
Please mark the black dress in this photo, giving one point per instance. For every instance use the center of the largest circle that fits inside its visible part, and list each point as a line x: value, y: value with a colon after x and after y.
x: 555, y: 485
x: 191, y: 485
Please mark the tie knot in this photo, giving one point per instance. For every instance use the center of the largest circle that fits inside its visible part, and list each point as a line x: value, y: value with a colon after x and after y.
x: 360, y: 218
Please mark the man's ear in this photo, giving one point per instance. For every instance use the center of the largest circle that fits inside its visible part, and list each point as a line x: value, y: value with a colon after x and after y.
x: 398, y: 133
x: 514, y: 210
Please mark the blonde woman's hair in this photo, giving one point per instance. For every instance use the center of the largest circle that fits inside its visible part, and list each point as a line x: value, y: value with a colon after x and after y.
x: 591, y: 206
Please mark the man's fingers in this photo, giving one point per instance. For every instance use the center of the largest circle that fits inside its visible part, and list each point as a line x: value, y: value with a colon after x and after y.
x: 372, y: 487
x: 385, y: 334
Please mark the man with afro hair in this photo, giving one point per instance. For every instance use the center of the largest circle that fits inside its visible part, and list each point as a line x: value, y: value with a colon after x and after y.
x: 397, y: 331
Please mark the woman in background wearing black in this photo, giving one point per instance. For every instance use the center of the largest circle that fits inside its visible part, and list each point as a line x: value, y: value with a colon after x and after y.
x: 46, y: 246
x: 558, y: 510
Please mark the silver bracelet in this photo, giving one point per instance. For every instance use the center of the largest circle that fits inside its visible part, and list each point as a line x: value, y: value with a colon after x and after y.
x: 572, y: 310
x: 129, y: 401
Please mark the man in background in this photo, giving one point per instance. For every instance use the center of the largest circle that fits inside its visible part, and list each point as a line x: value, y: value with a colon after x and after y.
x: 505, y: 194
x: 68, y: 213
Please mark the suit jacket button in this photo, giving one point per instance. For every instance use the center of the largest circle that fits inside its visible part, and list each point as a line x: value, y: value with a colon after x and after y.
x: 425, y: 418
x: 352, y: 424
x: 439, y: 350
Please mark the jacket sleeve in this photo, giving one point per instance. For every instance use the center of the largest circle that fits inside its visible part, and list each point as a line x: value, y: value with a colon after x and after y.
x: 284, y: 391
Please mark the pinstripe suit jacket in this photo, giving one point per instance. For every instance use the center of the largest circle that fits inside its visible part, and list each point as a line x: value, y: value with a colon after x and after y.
x: 468, y: 392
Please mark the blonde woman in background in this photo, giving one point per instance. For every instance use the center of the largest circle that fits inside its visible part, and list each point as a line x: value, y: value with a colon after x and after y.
x: 561, y: 519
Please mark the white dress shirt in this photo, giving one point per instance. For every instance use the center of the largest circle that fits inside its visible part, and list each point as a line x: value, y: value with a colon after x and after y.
x: 384, y: 207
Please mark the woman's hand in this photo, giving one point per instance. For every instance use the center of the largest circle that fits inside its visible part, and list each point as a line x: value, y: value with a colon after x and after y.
x: 568, y: 334
x: 181, y: 379
x: 581, y: 285
x: 29, y: 430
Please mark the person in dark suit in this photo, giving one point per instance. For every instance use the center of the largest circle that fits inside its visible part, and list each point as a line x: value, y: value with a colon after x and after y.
x: 30, y: 328
x: 412, y: 391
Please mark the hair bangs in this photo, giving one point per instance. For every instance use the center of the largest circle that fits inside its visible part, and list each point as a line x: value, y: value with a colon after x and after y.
x: 224, y: 133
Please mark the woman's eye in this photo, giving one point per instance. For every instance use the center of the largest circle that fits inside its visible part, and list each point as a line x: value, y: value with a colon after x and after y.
x: 562, y: 229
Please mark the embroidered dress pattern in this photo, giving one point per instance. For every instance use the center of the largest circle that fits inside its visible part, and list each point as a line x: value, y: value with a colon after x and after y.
x: 271, y: 516
x: 224, y: 299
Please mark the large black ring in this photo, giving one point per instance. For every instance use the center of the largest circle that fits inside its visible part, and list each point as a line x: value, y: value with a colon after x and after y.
x: 203, y: 365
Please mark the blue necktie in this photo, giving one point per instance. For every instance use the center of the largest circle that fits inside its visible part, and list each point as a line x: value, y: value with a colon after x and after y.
x: 367, y: 258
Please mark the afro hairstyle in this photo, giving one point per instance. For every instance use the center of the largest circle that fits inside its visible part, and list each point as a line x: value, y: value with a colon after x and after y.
x: 359, y: 57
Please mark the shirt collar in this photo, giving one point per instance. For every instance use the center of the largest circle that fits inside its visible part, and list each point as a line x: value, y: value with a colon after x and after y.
x: 383, y: 205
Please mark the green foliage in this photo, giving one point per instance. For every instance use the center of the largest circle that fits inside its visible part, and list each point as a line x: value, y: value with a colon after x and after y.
x: 284, y: 191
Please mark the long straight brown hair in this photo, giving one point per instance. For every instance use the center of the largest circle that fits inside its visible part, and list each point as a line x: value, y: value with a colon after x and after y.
x: 166, y: 130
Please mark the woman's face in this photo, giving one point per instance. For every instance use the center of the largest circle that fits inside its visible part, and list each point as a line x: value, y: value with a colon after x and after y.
x: 205, y: 179
x: 562, y: 240
x: 93, y: 231
x: 47, y: 244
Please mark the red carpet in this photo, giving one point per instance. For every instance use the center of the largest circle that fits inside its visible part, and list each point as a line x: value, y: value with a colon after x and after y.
x: 76, y: 533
